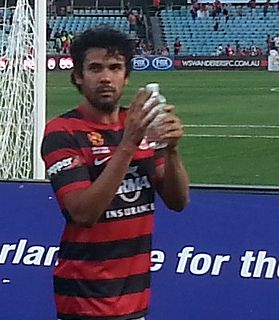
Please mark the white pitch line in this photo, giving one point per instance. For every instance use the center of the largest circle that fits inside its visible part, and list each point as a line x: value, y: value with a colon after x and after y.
x: 231, y: 126
x: 236, y: 136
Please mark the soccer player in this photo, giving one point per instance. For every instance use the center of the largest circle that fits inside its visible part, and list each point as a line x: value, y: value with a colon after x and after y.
x: 105, y: 175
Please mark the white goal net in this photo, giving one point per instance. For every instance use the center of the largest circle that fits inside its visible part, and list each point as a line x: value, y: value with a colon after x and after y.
x: 18, y: 67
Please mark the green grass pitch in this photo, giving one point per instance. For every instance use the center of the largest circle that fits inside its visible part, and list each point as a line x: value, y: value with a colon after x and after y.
x: 231, y: 120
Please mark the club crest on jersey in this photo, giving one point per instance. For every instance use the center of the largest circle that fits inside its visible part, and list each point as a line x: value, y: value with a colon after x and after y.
x: 95, y: 138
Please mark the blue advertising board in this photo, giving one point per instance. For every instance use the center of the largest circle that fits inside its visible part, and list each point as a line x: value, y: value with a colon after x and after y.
x: 219, y: 259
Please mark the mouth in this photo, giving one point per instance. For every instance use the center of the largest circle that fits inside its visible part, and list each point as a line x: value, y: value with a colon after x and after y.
x: 105, y: 91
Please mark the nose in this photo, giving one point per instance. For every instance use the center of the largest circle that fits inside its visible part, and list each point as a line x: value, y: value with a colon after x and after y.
x: 106, y: 76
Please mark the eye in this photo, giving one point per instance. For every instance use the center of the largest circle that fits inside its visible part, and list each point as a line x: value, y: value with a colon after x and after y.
x: 116, y: 67
x: 94, y: 67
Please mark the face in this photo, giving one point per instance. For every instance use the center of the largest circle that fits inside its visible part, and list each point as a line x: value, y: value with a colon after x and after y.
x: 103, y: 79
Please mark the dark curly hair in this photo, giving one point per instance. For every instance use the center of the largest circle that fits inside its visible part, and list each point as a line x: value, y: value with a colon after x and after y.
x: 102, y: 37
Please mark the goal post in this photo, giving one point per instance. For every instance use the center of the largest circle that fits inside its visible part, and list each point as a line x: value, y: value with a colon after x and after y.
x: 40, y: 87
x: 23, y: 90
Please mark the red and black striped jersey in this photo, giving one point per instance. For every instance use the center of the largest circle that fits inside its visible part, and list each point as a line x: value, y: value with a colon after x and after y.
x: 103, y: 270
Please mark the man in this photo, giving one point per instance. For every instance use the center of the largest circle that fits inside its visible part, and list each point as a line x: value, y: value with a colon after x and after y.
x: 104, y: 175
x: 177, y: 46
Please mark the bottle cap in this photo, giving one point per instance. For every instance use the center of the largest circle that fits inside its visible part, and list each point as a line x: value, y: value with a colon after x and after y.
x: 152, y: 87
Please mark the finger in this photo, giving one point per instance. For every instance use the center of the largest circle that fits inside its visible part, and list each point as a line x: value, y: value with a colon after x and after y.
x: 169, y: 108
x: 140, y: 98
x: 150, y: 106
x: 171, y: 134
x: 170, y: 119
x: 150, y: 116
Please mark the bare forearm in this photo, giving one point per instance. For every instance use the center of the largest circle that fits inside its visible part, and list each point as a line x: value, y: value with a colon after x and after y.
x: 174, y: 186
x: 88, y: 204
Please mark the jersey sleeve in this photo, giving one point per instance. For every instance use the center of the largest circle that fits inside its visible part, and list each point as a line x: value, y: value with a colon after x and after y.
x: 65, y: 164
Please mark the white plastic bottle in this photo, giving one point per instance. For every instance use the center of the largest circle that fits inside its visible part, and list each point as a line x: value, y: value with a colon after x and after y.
x: 152, y: 132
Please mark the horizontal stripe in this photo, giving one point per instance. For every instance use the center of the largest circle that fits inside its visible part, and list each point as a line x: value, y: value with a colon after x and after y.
x: 58, y: 140
x: 88, y: 117
x: 72, y: 114
x: 104, y: 251
x: 76, y: 139
x: 101, y: 288
x: 92, y: 270
x: 70, y: 187
x: 104, y: 307
x: 135, y: 316
x: 64, y: 178
x: 110, y: 231
x: 84, y: 155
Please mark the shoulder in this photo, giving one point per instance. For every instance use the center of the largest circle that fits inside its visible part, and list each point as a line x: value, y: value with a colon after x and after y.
x: 63, y: 122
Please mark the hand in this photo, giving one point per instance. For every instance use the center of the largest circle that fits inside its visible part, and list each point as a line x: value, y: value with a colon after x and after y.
x: 170, y: 128
x: 138, y: 118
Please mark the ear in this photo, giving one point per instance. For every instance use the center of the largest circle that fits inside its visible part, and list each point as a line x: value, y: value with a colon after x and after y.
x: 78, y: 78
x: 126, y: 80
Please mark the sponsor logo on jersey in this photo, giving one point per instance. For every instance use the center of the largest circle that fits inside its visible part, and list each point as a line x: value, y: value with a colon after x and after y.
x: 65, y: 164
x: 131, y: 188
x: 98, y: 162
x: 131, y: 211
x: 100, y: 150
x: 95, y: 138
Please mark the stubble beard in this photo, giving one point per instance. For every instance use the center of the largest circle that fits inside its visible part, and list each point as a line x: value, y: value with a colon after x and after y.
x: 104, y: 106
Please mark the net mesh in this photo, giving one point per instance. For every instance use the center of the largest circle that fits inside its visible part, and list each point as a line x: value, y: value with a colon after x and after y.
x: 17, y: 95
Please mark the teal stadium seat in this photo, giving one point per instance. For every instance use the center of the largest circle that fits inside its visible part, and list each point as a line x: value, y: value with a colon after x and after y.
x: 252, y: 26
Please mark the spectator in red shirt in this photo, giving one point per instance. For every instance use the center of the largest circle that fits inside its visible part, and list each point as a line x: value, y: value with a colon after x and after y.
x: 156, y: 5
x: 177, y: 46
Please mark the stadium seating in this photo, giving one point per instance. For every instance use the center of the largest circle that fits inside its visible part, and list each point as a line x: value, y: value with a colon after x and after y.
x: 88, y: 18
x: 198, y: 38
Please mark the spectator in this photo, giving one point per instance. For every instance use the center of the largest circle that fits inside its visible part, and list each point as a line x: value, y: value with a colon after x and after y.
x: 165, y: 51
x: 177, y: 46
x: 253, y: 49
x: 237, y: 48
x: 216, y: 26
x: 127, y: 9
x: 226, y: 13
x: 218, y: 7
x: 276, y: 42
x: 132, y: 21
x: 139, y: 48
x: 156, y: 5
x: 193, y: 11
x: 219, y: 50
x: 252, y: 5
x: 229, y: 50
x: 268, y: 43
x: 48, y: 32
x: 58, y: 42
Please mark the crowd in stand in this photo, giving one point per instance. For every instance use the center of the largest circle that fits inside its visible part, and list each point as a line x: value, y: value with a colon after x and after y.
x: 218, y: 9
x: 62, y: 40
x: 236, y: 50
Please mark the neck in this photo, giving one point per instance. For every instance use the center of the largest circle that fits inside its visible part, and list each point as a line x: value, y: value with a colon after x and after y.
x: 99, y: 115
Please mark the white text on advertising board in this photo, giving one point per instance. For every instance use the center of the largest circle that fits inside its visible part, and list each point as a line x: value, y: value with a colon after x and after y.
x: 221, y: 63
x: 162, y: 63
x: 140, y: 63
